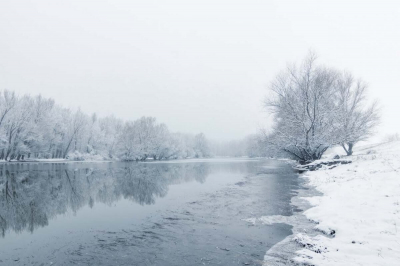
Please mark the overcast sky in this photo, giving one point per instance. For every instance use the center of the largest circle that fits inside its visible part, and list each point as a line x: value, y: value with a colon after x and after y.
x: 198, y: 66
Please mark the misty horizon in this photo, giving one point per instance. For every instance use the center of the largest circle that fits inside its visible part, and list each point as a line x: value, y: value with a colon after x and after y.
x: 200, y: 67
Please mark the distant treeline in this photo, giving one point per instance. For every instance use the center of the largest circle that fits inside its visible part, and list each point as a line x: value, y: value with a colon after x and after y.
x: 36, y: 127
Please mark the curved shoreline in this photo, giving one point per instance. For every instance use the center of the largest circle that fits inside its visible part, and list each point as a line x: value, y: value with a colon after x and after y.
x: 354, y: 221
x: 283, y: 252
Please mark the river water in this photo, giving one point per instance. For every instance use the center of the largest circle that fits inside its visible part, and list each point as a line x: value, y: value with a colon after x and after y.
x: 188, y: 212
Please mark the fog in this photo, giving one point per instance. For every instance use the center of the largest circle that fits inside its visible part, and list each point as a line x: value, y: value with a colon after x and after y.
x: 202, y: 66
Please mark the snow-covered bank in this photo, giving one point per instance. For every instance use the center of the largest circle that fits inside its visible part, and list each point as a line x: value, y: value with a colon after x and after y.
x: 351, y: 213
x: 359, y: 211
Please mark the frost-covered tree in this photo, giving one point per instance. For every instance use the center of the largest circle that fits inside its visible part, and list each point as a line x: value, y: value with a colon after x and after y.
x: 145, y: 138
x: 76, y: 126
x: 138, y: 140
x: 316, y: 107
x: 304, y: 107
x: 92, y: 133
x: 161, y: 143
x: 128, y: 143
x: 110, y: 131
x: 356, y: 119
x: 254, y: 146
x: 18, y: 128
x: 180, y: 146
x: 8, y: 100
x: 201, y: 147
x: 146, y: 132
x: 42, y: 125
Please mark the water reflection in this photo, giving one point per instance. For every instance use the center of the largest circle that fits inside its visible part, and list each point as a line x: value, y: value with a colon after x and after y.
x: 31, y: 195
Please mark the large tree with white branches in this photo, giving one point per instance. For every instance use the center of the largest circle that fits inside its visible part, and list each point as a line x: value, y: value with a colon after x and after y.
x: 316, y: 107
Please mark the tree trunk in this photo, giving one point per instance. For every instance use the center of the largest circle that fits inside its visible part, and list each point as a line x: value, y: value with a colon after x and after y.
x: 7, y: 154
x: 350, y: 149
x: 67, y: 148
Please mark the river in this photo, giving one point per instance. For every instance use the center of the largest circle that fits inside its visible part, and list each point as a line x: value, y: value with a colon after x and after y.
x: 186, y: 212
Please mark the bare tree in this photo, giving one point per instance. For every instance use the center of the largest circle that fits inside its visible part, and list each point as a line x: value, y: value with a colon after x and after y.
x: 303, y: 107
x: 356, y: 119
x: 316, y: 107
x: 7, y: 103
x: 78, y: 123
x: 93, y: 123
x: 111, y: 128
x: 18, y: 127
x: 201, y: 146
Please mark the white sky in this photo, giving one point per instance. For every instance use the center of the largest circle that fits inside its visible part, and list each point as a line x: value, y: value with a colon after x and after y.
x: 198, y: 66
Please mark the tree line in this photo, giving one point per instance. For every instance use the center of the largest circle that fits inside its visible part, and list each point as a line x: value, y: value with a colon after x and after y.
x: 316, y: 107
x: 35, y: 127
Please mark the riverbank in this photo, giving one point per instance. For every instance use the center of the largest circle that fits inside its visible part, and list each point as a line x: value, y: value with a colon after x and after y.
x: 356, y: 219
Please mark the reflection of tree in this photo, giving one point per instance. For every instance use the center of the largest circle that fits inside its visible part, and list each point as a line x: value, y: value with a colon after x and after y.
x: 20, y: 206
x: 142, y: 183
x: 31, y: 196
x: 200, y: 172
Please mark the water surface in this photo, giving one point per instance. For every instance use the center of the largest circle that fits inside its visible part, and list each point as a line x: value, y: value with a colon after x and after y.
x: 166, y: 213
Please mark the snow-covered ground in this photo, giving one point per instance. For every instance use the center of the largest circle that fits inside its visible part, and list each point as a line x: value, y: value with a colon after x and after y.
x: 359, y: 211
x: 352, y: 213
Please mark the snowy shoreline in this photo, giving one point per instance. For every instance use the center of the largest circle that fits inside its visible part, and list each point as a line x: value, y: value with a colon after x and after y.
x: 351, y: 213
x: 284, y: 251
